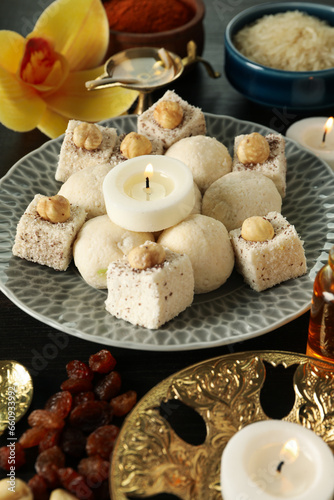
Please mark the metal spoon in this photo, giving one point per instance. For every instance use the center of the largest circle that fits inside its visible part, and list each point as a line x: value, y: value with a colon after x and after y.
x: 16, y: 391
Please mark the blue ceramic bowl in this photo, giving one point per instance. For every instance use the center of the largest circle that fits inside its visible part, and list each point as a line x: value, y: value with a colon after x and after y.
x: 295, y: 90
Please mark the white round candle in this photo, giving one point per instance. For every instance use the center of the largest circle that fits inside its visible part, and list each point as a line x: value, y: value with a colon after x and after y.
x: 132, y: 205
x: 275, y: 459
x: 309, y: 134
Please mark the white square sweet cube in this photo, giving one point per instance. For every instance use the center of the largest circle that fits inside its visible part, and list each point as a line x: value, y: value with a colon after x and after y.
x: 44, y: 242
x: 274, y: 167
x: 150, y: 297
x: 265, y: 264
x: 193, y: 122
x: 73, y: 158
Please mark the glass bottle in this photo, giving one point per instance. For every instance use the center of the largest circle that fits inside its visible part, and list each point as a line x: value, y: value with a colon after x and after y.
x: 320, y: 343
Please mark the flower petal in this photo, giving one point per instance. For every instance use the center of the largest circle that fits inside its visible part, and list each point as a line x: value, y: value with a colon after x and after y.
x: 21, y: 107
x: 52, y: 124
x: 12, y: 48
x: 79, y: 30
x: 42, y: 67
x: 76, y: 102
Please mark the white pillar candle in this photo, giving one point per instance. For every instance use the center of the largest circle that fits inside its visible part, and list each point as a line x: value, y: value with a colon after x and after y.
x: 274, y: 459
x: 131, y: 204
x: 309, y: 134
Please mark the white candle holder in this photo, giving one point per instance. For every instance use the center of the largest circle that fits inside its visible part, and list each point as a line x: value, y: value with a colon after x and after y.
x: 169, y: 199
x: 309, y: 134
x: 258, y: 465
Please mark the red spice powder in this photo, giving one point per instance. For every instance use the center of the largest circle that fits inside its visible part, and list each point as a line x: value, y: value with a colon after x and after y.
x: 147, y: 16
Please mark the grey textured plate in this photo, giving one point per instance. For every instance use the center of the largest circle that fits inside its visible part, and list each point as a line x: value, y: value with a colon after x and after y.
x: 230, y: 314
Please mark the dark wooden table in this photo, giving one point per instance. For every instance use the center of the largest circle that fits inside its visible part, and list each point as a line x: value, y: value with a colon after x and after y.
x: 25, y: 339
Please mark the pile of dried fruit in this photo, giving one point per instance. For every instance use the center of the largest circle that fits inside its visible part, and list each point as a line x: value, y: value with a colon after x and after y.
x: 75, y: 426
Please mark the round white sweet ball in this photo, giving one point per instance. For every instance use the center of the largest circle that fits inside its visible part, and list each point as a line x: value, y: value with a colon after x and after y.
x: 100, y: 242
x: 206, y: 242
x: 239, y: 195
x: 207, y: 158
x: 84, y: 188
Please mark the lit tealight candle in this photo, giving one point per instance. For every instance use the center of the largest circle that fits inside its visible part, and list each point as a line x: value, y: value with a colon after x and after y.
x: 149, y: 193
x: 275, y: 459
x: 315, y: 134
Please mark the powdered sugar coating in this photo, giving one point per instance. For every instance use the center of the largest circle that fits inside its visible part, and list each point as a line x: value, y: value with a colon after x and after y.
x: 193, y: 122
x: 72, y: 158
x: 150, y: 297
x: 264, y: 264
x: 47, y: 243
x: 274, y: 167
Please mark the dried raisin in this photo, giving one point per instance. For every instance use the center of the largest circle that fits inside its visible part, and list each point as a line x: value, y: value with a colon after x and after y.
x: 9, y: 453
x: 46, y: 419
x: 49, y: 440
x: 122, y: 404
x: 79, y: 369
x: 94, y: 469
x: 60, y: 403
x: 75, y: 483
x: 82, y: 397
x: 32, y: 437
x: 102, y: 440
x: 102, y: 362
x: 90, y: 415
x: 39, y: 487
x: 75, y: 385
x: 109, y: 386
x: 47, y: 464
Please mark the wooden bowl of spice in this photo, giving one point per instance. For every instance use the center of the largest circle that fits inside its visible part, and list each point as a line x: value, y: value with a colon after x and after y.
x: 155, y: 23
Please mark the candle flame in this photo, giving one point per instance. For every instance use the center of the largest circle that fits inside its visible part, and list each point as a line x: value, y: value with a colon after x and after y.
x: 290, y: 451
x: 329, y: 124
x: 149, y: 170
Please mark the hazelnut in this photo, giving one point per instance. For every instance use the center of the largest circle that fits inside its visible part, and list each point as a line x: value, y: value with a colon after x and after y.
x: 54, y: 208
x: 257, y: 229
x: 148, y: 255
x: 253, y: 148
x: 60, y: 494
x: 87, y: 136
x: 169, y: 114
x: 21, y: 491
x: 134, y: 145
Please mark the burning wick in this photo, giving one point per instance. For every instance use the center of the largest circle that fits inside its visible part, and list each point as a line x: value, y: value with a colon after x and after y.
x: 279, y: 467
x: 327, y: 128
x: 148, y: 172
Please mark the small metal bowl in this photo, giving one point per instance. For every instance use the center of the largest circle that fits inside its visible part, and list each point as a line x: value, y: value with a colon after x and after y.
x: 295, y: 90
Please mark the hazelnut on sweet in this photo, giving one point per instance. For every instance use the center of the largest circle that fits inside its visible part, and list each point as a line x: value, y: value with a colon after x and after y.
x: 253, y: 148
x: 169, y: 114
x: 257, y: 229
x: 149, y: 254
x: 135, y: 144
x: 21, y: 491
x: 54, y: 208
x: 87, y: 136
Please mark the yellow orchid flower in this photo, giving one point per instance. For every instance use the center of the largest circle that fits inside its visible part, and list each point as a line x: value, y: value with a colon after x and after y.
x: 42, y: 77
